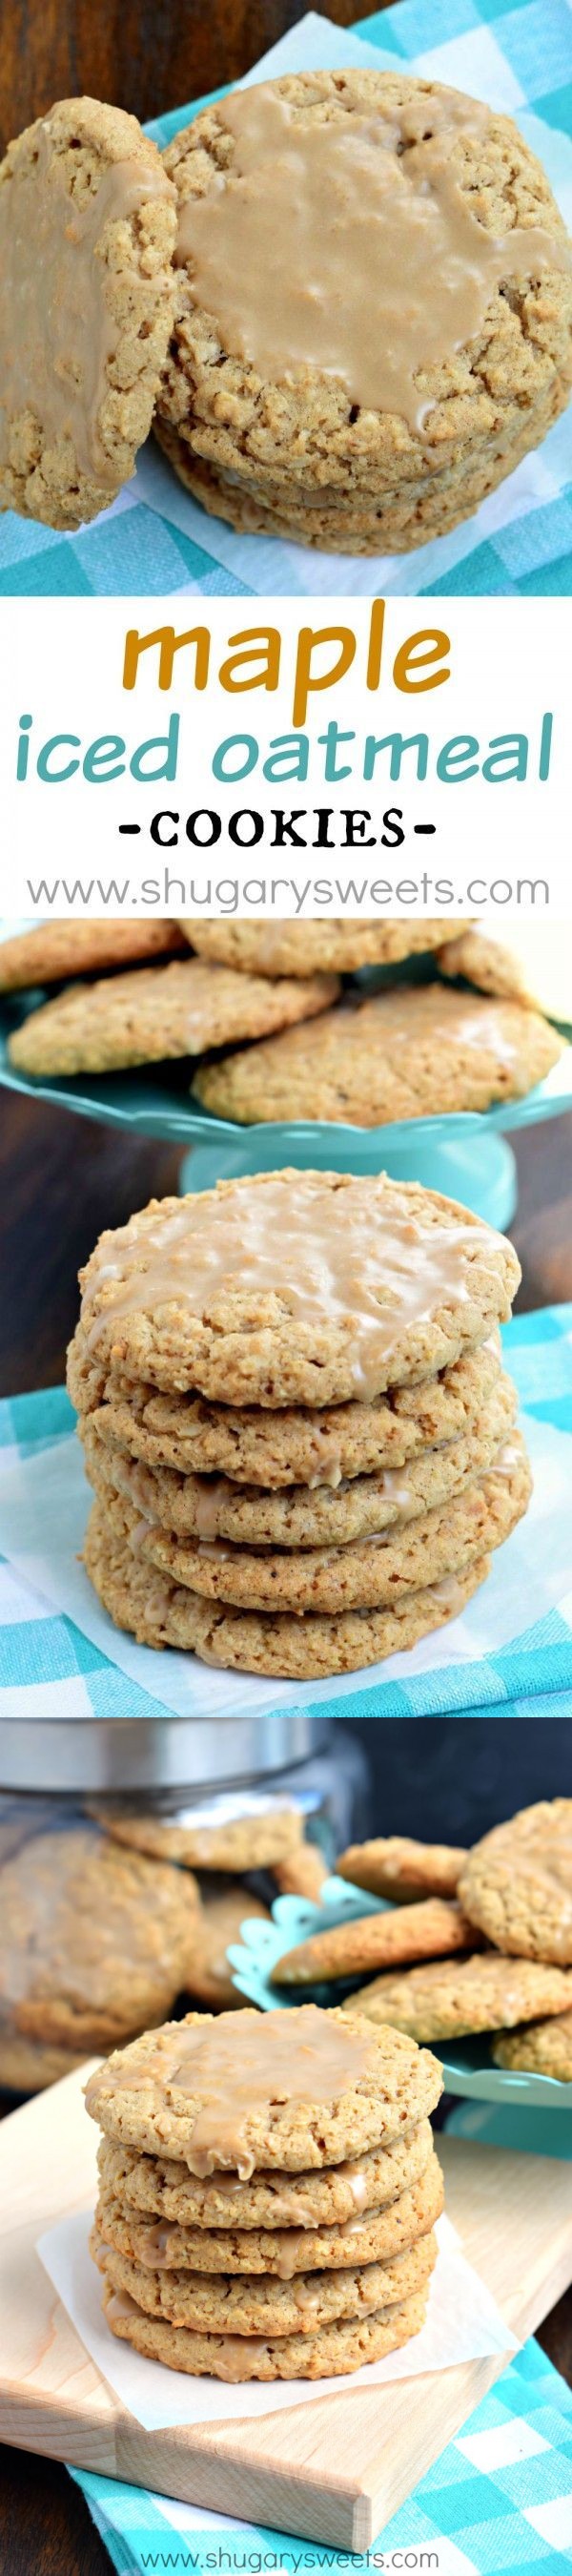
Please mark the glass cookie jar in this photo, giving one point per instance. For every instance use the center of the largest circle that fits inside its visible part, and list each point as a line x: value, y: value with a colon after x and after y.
x: 128, y: 1867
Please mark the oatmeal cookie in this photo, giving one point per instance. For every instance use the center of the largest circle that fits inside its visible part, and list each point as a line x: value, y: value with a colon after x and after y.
x: 542, y: 2048
x: 247, y: 2307
x: 256, y: 1840
x: 94, y: 1941
x: 26, y: 2066
x: 310, y: 2091
x: 292, y: 1646
x: 88, y: 217
x: 308, y: 1446
x: 298, y: 1516
x: 533, y: 968
x: 154, y: 2187
x: 451, y: 1997
x: 374, y: 2236
x: 434, y: 1929
x: 408, y: 513
x: 397, y: 1867
x: 304, y: 948
x: 222, y: 1912
x: 294, y: 1286
x: 415, y: 1053
x: 286, y: 413
x: 330, y: 2353
x: 368, y: 1575
x: 56, y: 949
x: 517, y: 1883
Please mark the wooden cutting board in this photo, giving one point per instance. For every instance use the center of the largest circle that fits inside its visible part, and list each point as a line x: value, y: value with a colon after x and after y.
x: 334, y: 2470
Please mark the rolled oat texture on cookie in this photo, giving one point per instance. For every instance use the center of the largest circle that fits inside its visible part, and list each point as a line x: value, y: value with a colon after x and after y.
x: 305, y: 2091
x: 413, y: 1053
x: 283, y: 410
x: 88, y: 218
x: 516, y: 1884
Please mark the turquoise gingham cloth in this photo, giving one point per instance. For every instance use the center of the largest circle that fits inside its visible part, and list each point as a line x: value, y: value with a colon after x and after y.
x: 521, y: 59
x: 499, y: 2499
x: 530, y: 1677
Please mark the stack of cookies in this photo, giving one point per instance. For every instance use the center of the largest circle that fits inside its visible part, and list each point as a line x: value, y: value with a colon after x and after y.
x: 306, y: 1047
x: 267, y: 2193
x: 472, y: 1943
x: 295, y: 1419
x: 114, y: 1916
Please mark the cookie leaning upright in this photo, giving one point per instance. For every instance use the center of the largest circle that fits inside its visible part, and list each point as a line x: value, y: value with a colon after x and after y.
x: 267, y: 2199
x: 87, y: 231
x: 409, y: 338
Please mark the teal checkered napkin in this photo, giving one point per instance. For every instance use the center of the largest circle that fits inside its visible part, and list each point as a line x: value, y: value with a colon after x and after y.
x: 499, y: 2499
x: 510, y: 1652
x: 156, y: 540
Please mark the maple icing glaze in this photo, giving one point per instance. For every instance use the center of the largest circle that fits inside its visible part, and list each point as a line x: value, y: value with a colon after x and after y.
x: 58, y: 334
x: 340, y: 1256
x: 303, y: 2056
x: 379, y: 269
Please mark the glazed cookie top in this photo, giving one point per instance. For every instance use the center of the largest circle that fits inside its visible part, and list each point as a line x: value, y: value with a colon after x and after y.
x: 407, y: 1054
x: 455, y: 1995
x: 309, y: 2088
x: 458, y: 211
x: 517, y: 1883
x: 368, y: 2235
x: 87, y: 233
x: 295, y: 1446
x: 60, y: 948
x: 314, y: 947
x: 295, y: 1287
x: 156, y: 2187
x: 158, y: 1012
x: 94, y: 1940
